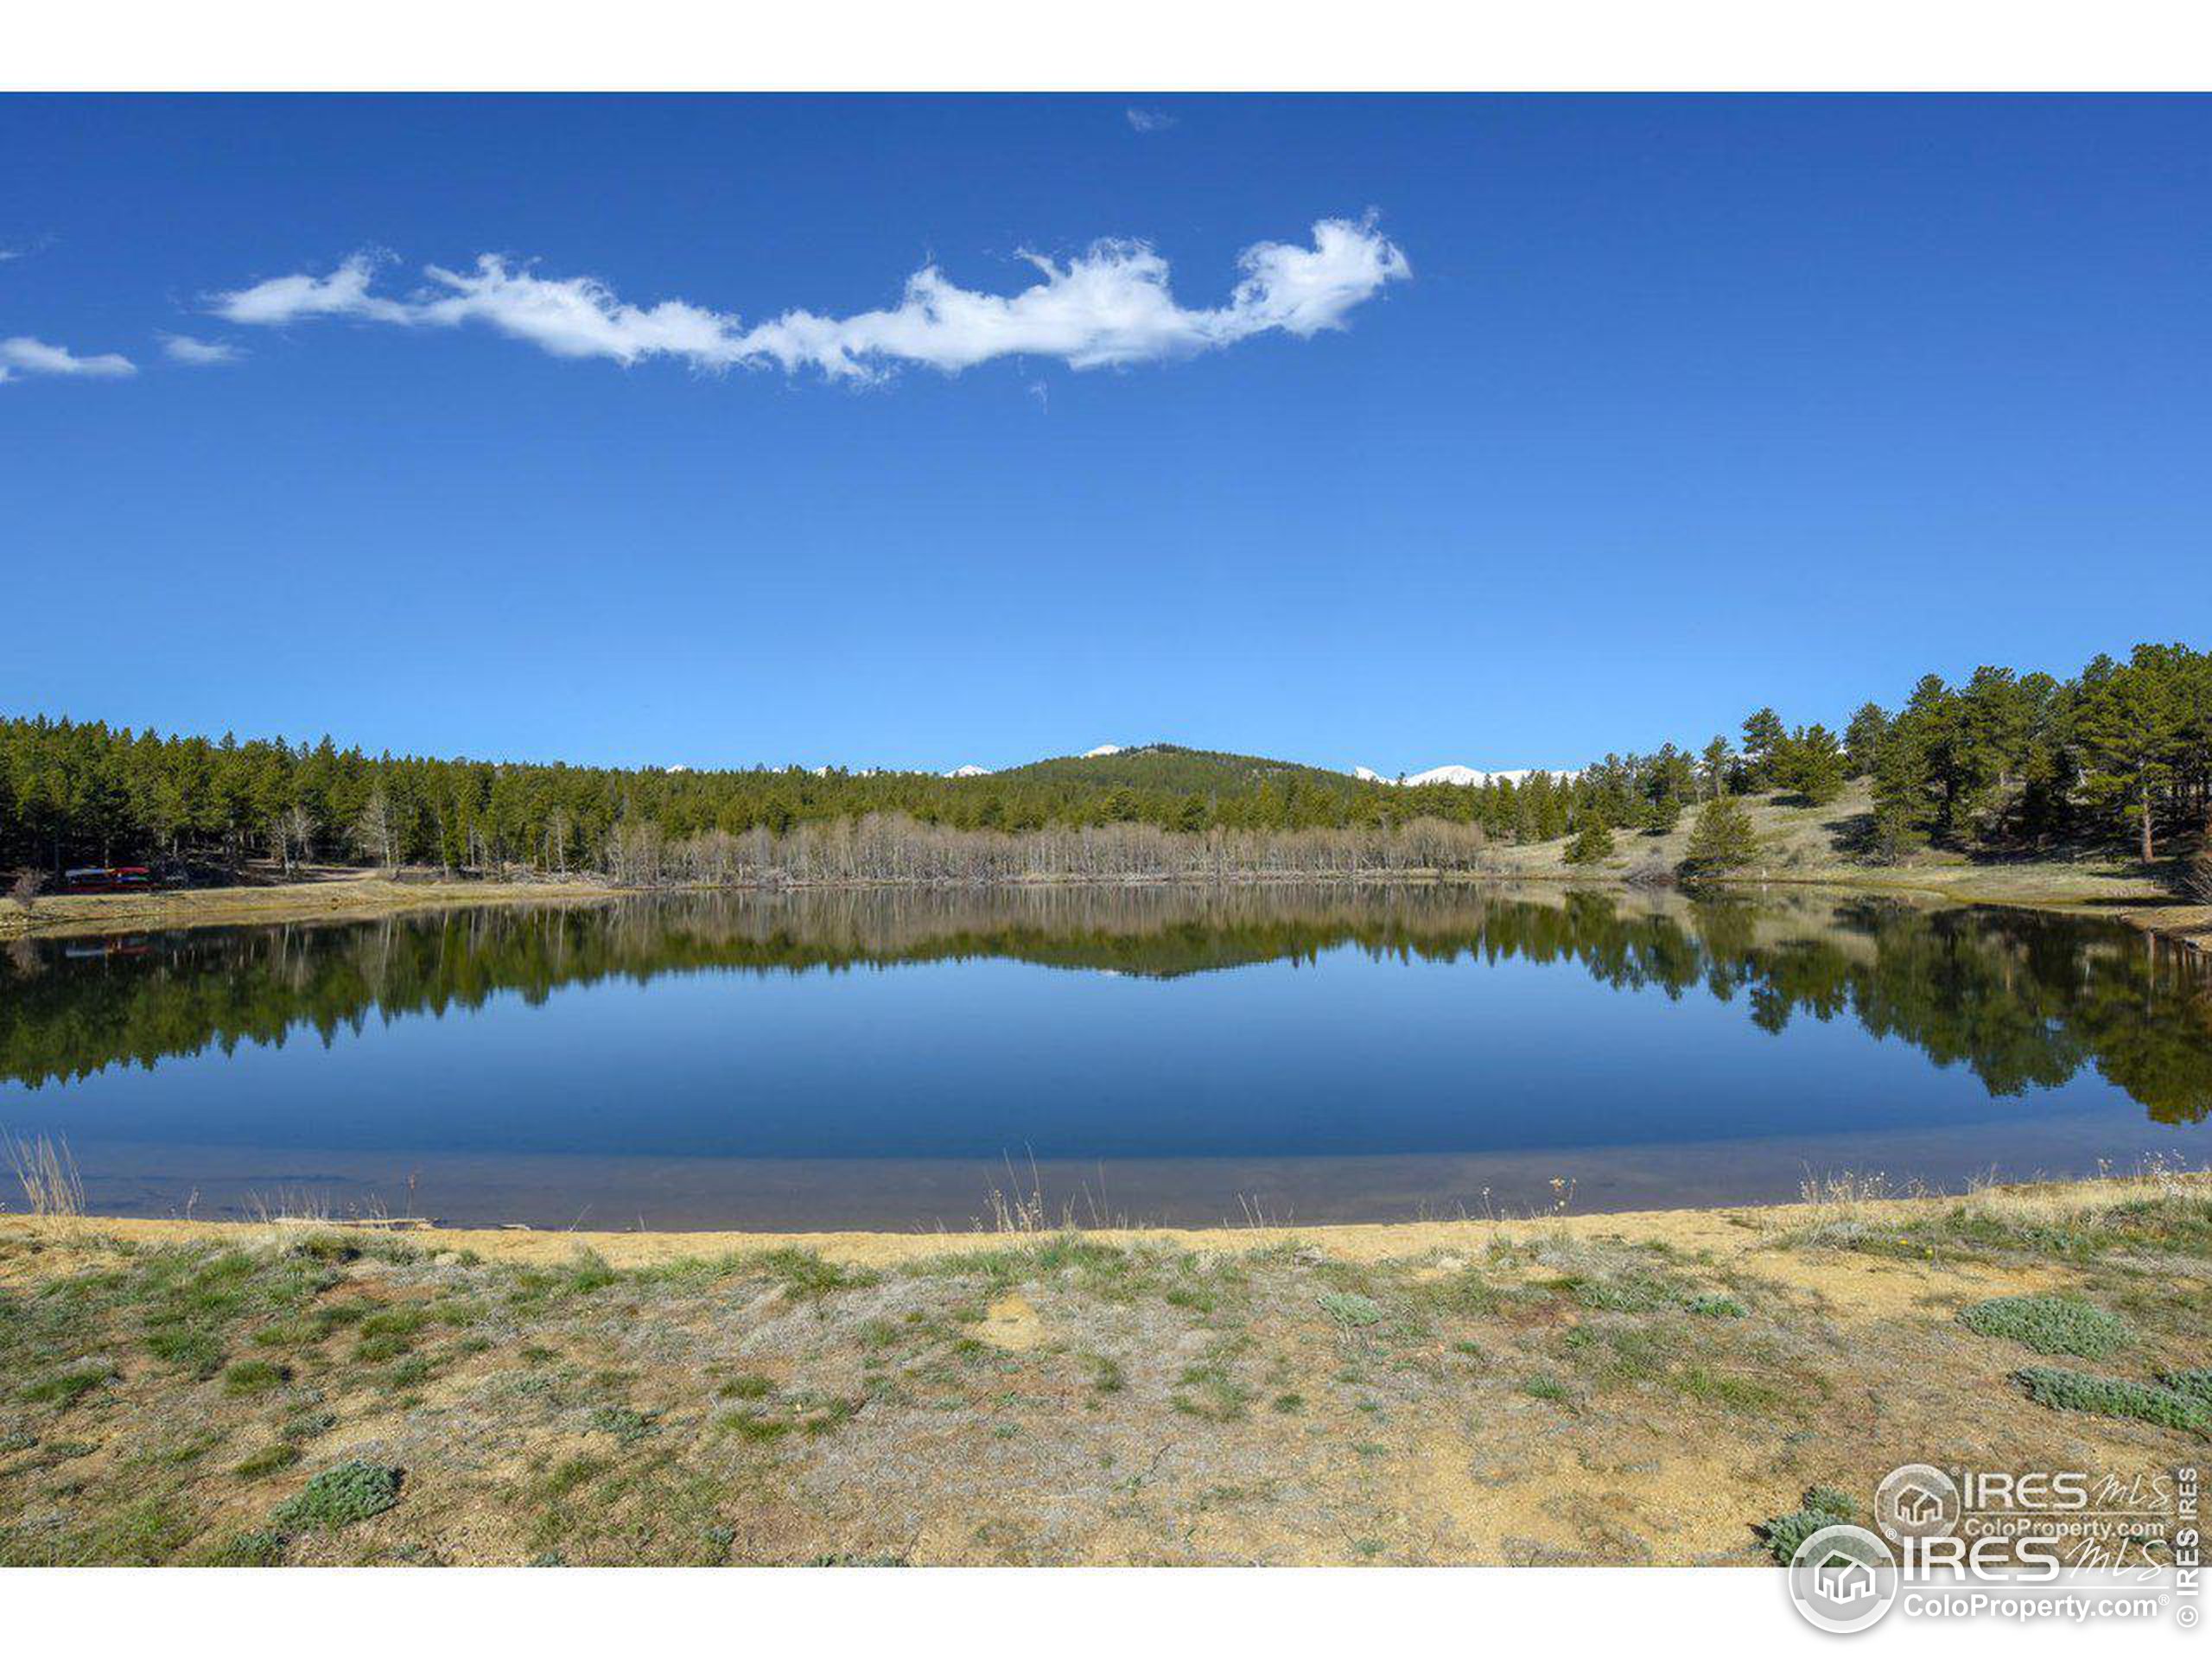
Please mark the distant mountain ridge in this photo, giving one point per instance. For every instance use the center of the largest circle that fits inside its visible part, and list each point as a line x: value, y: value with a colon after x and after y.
x: 1170, y: 765
x: 1459, y: 776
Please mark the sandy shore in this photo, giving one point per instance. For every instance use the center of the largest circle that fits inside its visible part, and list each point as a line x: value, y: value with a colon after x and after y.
x: 1727, y: 1231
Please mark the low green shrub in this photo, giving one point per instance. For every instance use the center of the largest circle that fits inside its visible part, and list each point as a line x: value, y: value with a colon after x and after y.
x: 1821, y: 1506
x: 2113, y: 1396
x: 338, y: 1497
x: 2197, y: 1384
x: 2049, y: 1324
x: 1349, y: 1308
x: 624, y: 1424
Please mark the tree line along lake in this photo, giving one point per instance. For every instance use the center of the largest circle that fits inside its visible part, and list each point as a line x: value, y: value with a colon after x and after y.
x: 1171, y: 1055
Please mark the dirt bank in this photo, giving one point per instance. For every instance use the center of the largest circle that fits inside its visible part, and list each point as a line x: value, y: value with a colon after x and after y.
x: 1636, y: 1389
x: 346, y: 897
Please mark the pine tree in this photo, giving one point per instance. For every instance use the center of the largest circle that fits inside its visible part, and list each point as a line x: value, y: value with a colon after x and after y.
x: 1592, y: 842
x: 1765, y: 738
x: 1862, y: 739
x: 2127, y: 726
x: 1713, y: 767
x: 1721, y: 840
x: 1901, y: 794
x: 1816, y: 765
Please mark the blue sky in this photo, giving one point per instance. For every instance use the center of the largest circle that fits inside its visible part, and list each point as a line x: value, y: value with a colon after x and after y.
x: 1684, y: 405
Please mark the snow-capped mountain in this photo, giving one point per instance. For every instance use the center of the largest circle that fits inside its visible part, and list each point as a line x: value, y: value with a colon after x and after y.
x: 1464, y: 776
x: 970, y: 771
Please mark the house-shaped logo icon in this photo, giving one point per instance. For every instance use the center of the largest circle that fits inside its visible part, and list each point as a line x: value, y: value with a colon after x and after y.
x: 1845, y: 1581
x: 1918, y: 1507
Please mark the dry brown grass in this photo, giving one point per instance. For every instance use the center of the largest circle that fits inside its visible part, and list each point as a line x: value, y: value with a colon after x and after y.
x: 1539, y: 1390
x: 342, y: 898
x: 47, y: 1172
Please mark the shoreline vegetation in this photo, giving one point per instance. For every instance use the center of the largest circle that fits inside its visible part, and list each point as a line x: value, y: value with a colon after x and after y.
x: 1793, y: 847
x: 1659, y: 1387
x: 2105, y: 775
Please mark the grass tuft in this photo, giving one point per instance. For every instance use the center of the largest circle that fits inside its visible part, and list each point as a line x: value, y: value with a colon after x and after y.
x: 67, y: 1387
x: 251, y: 1377
x: 807, y: 1276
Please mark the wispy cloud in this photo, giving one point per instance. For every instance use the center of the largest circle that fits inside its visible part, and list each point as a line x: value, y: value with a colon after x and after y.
x: 1148, y: 120
x: 23, y: 355
x: 199, y: 353
x: 1111, y: 305
x: 38, y: 243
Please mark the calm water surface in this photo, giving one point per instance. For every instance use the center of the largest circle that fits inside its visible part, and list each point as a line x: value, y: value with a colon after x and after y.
x: 889, y: 1059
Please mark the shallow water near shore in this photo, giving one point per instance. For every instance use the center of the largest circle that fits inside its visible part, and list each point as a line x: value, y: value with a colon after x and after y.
x: 1184, y: 1056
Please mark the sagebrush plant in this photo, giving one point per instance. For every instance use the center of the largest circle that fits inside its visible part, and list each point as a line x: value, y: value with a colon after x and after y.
x: 2197, y: 1384
x: 338, y: 1497
x: 1820, y: 1506
x: 2049, y: 1324
x: 1349, y: 1308
x: 2113, y: 1397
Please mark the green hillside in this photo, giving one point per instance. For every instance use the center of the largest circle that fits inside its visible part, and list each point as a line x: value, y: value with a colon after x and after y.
x: 1173, y: 769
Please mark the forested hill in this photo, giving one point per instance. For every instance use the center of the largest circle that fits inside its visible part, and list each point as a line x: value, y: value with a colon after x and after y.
x: 2003, y: 762
x: 1170, y: 768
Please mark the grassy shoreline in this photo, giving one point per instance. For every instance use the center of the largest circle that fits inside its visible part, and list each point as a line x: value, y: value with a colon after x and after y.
x: 1648, y: 1387
x: 2052, y: 886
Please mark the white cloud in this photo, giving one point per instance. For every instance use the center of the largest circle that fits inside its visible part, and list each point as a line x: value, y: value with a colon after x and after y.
x: 1111, y: 305
x: 1148, y: 120
x: 23, y: 355
x: 344, y: 293
x: 199, y: 353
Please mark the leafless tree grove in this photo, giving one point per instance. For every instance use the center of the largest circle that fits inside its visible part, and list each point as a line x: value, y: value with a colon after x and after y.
x: 893, y: 850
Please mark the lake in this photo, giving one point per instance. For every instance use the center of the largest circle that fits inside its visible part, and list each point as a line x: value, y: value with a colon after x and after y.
x: 913, y: 1059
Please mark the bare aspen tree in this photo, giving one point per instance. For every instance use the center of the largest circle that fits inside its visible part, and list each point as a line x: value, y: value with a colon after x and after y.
x: 372, y: 830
